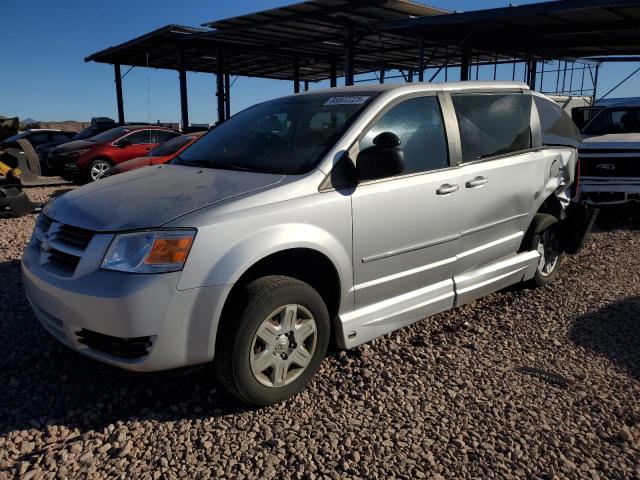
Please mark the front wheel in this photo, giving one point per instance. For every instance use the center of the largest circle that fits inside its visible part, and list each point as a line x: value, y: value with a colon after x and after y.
x: 97, y: 169
x: 272, y: 340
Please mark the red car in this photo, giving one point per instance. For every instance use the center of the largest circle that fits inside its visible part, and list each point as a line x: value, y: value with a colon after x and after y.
x: 88, y: 160
x: 161, y: 154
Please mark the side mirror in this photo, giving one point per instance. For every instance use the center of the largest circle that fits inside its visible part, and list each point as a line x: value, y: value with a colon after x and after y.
x: 383, y: 159
x: 124, y: 143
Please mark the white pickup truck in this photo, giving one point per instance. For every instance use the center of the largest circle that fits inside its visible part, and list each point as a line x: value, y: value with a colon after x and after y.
x: 610, y: 156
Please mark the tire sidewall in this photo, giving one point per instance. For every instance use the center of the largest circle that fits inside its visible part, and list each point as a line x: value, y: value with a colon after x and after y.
x: 251, y: 318
x: 539, y: 278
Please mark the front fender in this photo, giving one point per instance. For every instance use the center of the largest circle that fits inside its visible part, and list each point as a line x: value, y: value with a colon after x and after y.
x: 226, y: 262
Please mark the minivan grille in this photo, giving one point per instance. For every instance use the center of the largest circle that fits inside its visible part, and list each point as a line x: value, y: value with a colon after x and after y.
x: 129, y: 348
x: 75, y: 236
x: 61, y: 246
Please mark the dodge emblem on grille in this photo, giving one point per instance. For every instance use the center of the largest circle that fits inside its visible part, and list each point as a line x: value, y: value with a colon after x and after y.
x: 606, y: 166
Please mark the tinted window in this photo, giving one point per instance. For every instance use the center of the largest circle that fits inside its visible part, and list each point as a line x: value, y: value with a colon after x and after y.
x: 140, y: 137
x: 286, y: 136
x: 110, y: 135
x: 170, y: 147
x: 493, y: 124
x: 556, y: 125
x: 60, y: 137
x: 418, y: 124
x: 38, y: 138
x: 162, y: 136
x: 614, y: 120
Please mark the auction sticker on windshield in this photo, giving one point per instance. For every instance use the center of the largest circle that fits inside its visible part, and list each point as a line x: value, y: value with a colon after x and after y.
x: 350, y: 100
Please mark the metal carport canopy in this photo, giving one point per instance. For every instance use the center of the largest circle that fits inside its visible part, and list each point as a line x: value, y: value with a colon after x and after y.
x: 548, y: 30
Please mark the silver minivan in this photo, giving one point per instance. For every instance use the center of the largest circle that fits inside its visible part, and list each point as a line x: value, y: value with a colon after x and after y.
x: 334, y: 215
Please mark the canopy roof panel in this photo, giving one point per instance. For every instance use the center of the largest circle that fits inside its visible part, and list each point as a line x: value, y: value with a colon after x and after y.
x: 557, y: 29
x: 385, y: 35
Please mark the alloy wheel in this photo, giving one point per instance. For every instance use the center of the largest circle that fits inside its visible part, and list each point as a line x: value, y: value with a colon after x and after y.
x: 283, y: 345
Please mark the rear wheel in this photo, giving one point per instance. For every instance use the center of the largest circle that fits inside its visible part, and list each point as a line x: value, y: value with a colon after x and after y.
x: 272, y: 340
x: 544, y: 238
x: 97, y: 169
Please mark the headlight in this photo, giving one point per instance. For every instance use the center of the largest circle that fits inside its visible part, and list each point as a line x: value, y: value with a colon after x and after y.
x: 149, y: 252
x: 76, y: 153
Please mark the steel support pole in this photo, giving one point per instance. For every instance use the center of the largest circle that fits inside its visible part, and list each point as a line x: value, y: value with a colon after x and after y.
x: 348, y: 56
x: 464, y: 64
x: 533, y: 73
x: 421, y: 59
x: 333, y: 75
x: 227, y: 95
x: 220, y: 86
x: 184, y: 104
x: 296, y: 76
x: 119, y: 100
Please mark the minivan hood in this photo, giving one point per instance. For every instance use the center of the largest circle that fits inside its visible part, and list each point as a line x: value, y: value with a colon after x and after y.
x: 74, y: 145
x: 151, y: 196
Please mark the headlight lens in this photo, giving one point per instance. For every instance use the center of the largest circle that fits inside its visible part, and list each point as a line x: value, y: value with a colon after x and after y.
x: 77, y: 153
x: 149, y: 252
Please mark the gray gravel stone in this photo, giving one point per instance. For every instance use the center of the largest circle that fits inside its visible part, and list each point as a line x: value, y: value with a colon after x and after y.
x: 523, y: 383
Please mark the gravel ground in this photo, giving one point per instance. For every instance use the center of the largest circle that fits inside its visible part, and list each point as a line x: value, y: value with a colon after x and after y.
x: 537, y: 384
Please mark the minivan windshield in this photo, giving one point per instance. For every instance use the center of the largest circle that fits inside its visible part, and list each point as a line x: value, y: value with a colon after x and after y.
x: 283, y: 136
x: 614, y: 120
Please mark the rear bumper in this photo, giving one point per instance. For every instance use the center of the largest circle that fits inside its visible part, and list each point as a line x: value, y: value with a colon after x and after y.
x: 137, y: 322
x: 609, y: 191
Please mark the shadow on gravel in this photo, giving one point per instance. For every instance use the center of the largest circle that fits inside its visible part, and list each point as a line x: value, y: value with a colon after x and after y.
x: 613, y: 331
x: 623, y: 217
x: 42, y: 382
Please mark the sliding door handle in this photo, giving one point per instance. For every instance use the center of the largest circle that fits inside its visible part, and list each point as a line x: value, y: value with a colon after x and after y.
x: 447, y: 188
x: 476, y: 182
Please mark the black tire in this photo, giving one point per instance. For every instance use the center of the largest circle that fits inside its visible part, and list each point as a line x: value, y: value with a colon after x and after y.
x: 97, y: 163
x: 544, y: 232
x: 32, y: 156
x: 239, y: 326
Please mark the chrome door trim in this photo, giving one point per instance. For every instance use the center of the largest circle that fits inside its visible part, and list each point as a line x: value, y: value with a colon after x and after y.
x: 493, y: 224
x: 419, y: 246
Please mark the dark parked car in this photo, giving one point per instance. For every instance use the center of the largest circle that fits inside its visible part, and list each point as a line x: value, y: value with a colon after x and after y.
x: 39, y: 137
x: 92, y: 131
x: 88, y: 160
x: 43, y: 141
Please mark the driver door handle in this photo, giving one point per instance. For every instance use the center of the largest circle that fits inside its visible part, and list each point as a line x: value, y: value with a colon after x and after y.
x: 447, y: 188
x: 476, y: 182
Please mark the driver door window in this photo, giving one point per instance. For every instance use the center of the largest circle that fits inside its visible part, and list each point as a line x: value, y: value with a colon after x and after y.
x: 418, y: 123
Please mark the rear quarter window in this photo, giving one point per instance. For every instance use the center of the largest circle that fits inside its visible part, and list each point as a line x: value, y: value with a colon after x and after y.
x: 492, y: 124
x: 556, y: 125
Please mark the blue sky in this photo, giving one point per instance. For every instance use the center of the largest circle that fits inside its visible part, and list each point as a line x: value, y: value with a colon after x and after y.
x: 44, y: 76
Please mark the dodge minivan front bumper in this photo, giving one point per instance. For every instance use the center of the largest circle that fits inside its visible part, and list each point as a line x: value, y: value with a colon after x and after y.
x: 139, y: 322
